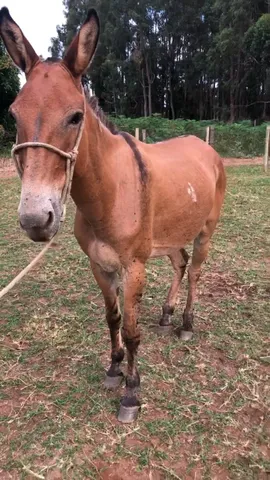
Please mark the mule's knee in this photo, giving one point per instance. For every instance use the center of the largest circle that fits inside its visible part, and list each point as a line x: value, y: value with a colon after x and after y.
x: 131, y: 338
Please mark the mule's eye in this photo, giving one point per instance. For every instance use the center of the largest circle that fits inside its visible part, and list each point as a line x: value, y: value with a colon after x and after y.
x: 76, y: 118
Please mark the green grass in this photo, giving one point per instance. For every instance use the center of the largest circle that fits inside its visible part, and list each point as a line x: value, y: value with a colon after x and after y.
x: 205, y: 404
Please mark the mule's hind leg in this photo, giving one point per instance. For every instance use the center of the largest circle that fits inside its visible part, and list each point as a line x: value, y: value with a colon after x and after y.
x: 108, y: 283
x: 179, y: 261
x: 200, y: 251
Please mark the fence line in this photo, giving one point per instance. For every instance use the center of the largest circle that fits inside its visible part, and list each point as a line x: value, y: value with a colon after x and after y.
x: 210, y: 139
x: 210, y: 134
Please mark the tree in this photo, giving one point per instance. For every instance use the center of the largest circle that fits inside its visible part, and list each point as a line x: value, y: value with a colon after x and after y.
x: 9, y: 86
x: 257, y: 45
x: 177, y: 58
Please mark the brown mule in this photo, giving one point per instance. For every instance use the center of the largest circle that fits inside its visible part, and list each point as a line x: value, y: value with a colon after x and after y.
x: 134, y: 201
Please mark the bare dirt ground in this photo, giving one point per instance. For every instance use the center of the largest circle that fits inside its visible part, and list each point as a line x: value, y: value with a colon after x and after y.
x: 8, y: 170
x: 237, y: 162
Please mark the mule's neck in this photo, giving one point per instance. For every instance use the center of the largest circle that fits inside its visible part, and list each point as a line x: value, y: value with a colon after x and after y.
x: 95, y: 182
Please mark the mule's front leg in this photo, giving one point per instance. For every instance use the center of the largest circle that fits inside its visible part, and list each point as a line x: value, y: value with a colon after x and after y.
x: 133, y: 288
x: 108, y: 282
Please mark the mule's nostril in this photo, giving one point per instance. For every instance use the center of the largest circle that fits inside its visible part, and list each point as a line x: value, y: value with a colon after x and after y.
x: 37, y: 220
x: 50, y: 219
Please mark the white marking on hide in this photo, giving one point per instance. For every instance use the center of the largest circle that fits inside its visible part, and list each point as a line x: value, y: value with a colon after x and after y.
x: 192, y: 193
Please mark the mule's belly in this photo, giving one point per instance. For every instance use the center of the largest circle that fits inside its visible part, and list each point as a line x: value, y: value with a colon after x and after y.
x: 163, y: 251
x: 184, y: 196
x: 180, y: 220
x: 175, y: 238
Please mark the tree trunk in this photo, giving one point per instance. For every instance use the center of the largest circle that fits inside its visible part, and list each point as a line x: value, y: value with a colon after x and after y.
x: 149, y: 86
x: 171, y: 96
x: 237, y: 89
x: 220, y: 97
x: 224, y: 117
x: 232, y: 108
x: 202, y: 100
x: 214, y: 102
x: 115, y: 103
x: 266, y: 92
x: 144, y: 94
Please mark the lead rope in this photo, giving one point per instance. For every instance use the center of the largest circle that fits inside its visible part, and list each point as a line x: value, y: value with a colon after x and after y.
x: 71, y: 158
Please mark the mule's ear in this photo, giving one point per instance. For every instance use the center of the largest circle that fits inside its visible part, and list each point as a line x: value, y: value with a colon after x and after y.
x: 82, y: 49
x: 18, y: 47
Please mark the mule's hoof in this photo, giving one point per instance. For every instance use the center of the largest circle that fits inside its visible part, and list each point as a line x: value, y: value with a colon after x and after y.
x: 164, y: 329
x: 186, y: 335
x: 128, y: 414
x: 111, y: 383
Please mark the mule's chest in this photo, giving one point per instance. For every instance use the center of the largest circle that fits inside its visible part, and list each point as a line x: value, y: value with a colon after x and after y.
x: 104, y: 255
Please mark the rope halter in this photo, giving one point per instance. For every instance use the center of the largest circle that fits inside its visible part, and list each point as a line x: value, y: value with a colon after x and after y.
x: 70, y: 158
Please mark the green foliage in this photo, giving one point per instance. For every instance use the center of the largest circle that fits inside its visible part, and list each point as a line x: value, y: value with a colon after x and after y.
x: 231, y: 140
x: 159, y: 129
x: 257, y: 40
x: 240, y: 140
x: 179, y: 59
x: 257, y: 46
x: 2, y: 133
x: 200, y: 60
x: 9, y: 86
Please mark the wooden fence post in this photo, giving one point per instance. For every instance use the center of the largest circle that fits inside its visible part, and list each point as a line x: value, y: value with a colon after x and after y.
x: 137, y: 133
x: 267, y: 149
x: 207, y: 135
x: 144, y: 136
x: 210, y: 135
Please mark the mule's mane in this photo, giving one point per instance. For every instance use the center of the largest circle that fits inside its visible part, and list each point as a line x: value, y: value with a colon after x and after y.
x: 93, y: 102
x: 51, y: 59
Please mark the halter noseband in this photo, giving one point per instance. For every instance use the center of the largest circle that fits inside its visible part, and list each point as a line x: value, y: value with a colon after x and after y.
x: 69, y: 156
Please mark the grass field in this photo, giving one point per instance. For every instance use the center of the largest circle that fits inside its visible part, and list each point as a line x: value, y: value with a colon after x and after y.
x: 205, y: 403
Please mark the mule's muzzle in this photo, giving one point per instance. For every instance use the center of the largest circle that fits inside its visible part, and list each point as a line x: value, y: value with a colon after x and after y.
x: 39, y: 218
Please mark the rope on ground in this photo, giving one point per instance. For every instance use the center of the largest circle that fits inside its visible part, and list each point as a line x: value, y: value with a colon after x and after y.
x: 26, y: 269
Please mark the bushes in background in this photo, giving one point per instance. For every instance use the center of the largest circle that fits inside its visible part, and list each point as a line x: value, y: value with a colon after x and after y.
x: 231, y: 140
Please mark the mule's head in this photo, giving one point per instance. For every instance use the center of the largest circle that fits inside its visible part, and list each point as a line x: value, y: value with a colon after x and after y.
x: 48, y: 109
